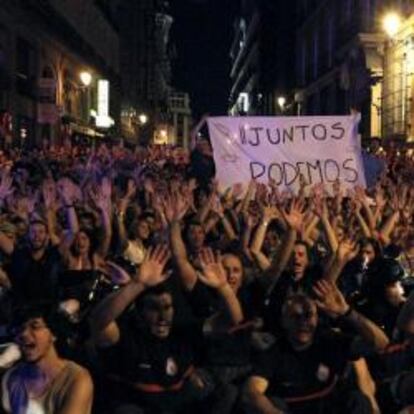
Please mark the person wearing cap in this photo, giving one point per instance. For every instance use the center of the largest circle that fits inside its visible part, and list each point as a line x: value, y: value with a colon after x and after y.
x: 43, y: 382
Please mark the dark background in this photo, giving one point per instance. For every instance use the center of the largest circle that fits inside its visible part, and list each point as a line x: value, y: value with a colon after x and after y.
x: 202, y: 33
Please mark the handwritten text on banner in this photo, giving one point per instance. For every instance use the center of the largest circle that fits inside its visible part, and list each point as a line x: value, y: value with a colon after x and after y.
x: 322, y: 149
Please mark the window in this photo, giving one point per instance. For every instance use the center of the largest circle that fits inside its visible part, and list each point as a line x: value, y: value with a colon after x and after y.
x: 25, y: 67
x: 48, y: 73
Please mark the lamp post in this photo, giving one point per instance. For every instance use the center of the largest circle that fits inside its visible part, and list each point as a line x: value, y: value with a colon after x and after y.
x: 86, y: 79
x: 281, y: 101
x: 141, y: 127
x: 143, y: 119
x: 391, y: 24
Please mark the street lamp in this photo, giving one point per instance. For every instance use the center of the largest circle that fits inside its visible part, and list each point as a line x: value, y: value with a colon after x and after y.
x: 86, y: 78
x: 143, y: 119
x: 391, y: 24
x: 281, y: 101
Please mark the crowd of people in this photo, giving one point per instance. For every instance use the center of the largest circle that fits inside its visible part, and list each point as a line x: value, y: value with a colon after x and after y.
x: 131, y: 282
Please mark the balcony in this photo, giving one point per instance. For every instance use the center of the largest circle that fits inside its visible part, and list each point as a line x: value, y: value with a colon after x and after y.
x: 25, y: 85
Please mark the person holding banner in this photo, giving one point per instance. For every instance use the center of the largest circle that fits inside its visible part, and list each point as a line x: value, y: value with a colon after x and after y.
x: 320, y: 149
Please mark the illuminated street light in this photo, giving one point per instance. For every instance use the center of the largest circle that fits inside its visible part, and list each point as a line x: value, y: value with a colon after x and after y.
x: 163, y: 133
x: 391, y: 24
x: 281, y: 101
x: 143, y: 119
x: 86, y: 78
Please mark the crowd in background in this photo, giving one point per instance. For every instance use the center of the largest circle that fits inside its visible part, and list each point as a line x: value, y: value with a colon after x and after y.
x: 132, y: 282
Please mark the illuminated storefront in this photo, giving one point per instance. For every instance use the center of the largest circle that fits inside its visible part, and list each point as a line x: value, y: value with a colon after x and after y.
x: 398, y: 88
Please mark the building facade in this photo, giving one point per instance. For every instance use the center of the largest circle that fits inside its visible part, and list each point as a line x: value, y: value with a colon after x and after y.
x: 398, y: 83
x: 340, y: 58
x: 44, y: 47
x: 146, y: 72
x: 181, y: 119
x: 262, y: 57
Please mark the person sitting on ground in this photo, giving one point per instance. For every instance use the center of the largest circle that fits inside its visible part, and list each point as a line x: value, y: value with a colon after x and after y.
x: 149, y: 358
x: 300, y: 373
x: 43, y: 382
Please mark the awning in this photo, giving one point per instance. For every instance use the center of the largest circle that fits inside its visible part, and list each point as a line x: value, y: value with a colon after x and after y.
x: 84, y: 130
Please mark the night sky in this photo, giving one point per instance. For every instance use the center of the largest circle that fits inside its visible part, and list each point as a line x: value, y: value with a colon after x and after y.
x: 202, y: 34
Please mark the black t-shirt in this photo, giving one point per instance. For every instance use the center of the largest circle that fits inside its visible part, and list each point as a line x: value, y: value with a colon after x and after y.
x: 286, y: 285
x: 232, y: 348
x: 202, y: 167
x: 145, y: 362
x: 35, y: 280
x: 293, y: 374
x: 395, y: 359
x: 382, y: 313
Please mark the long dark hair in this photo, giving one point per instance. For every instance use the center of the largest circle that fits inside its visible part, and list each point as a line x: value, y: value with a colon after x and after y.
x: 93, y: 243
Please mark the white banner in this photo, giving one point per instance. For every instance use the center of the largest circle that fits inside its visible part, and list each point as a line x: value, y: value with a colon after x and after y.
x: 321, y: 149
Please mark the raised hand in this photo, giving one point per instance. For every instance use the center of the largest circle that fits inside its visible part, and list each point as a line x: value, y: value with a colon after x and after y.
x: 318, y: 190
x: 151, y: 271
x: 274, y: 197
x: 192, y: 184
x: 360, y: 194
x: 131, y: 189
x: 329, y: 299
x: 49, y: 194
x: 175, y: 207
x: 25, y: 205
x: 380, y: 200
x: 217, y: 207
x: 337, y: 189
x: 213, y: 274
x: 187, y: 193
x: 270, y: 213
x: 122, y: 203
x: 106, y: 188
x: 238, y: 190
x: 261, y: 193
x: 321, y: 208
x: 248, y: 219
x: 68, y: 191
x: 347, y: 250
x: 356, y: 205
x: 394, y: 202
x: 149, y: 185
x: 102, y: 196
x: 5, y: 185
x: 118, y: 275
x: 294, y: 215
